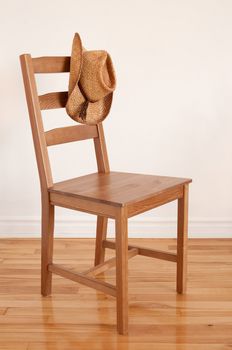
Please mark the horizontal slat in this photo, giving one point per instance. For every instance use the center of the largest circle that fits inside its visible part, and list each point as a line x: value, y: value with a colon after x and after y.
x: 52, y: 64
x: 96, y: 270
x: 70, y: 133
x: 53, y: 100
x: 155, y: 201
x: 86, y: 280
x: 82, y: 204
x: 157, y: 254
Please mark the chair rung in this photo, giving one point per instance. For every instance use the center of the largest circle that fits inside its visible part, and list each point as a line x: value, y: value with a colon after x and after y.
x: 81, y: 278
x: 96, y: 270
x: 157, y: 254
x: 70, y: 133
x: 53, y: 100
x: 51, y: 64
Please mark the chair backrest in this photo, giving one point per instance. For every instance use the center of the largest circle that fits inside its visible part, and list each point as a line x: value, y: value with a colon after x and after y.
x: 31, y: 66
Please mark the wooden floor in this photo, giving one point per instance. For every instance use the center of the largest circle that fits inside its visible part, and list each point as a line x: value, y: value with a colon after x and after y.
x: 77, y: 317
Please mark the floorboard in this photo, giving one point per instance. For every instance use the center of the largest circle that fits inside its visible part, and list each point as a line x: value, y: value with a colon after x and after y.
x: 77, y: 317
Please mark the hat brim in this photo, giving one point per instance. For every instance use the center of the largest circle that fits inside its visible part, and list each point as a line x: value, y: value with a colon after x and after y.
x: 75, y: 62
x: 85, y: 112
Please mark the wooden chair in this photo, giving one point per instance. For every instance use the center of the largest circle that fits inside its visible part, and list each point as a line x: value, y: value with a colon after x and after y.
x: 105, y: 194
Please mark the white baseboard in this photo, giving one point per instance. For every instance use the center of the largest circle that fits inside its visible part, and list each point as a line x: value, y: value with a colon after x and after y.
x: 84, y: 226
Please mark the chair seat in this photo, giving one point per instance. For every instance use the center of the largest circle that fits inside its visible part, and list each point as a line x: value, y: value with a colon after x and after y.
x: 116, y: 188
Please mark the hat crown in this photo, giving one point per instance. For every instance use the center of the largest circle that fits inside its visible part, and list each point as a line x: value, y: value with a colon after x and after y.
x: 97, y: 77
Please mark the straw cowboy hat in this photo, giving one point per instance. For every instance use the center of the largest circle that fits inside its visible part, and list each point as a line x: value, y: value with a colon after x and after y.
x: 91, y: 84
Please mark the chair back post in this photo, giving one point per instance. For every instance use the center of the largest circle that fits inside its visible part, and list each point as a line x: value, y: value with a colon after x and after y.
x: 101, y: 151
x: 53, y: 100
x: 36, y: 121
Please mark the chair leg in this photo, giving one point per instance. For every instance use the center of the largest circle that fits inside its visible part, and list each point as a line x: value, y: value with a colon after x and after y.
x: 47, y: 247
x: 100, y: 236
x: 182, y: 240
x: 122, y: 272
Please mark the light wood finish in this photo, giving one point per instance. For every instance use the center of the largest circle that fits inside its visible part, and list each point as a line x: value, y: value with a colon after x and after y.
x: 164, y: 197
x: 77, y: 317
x: 81, y: 278
x: 182, y: 241
x: 122, y: 189
x: 44, y: 169
x: 83, y: 205
x: 58, y: 64
x: 151, y: 253
x: 102, y: 221
x: 121, y: 233
x: 105, y: 194
x: 101, y: 151
x: 47, y: 246
x: 96, y: 270
x: 101, y: 233
x: 53, y: 100
x: 70, y: 134
x: 37, y: 128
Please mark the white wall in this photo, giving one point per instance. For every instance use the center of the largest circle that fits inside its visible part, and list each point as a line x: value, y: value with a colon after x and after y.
x: 172, y: 111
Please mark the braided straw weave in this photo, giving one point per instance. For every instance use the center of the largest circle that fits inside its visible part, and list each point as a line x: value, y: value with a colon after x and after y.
x: 91, y: 84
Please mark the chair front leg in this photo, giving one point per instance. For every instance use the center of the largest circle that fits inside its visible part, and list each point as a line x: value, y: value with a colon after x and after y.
x: 182, y: 240
x: 47, y: 246
x: 122, y: 270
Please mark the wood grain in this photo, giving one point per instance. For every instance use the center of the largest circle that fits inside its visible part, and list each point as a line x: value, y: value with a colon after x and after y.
x: 51, y: 64
x: 70, y: 134
x: 48, y: 212
x: 121, y: 238
x: 83, y: 278
x: 151, y: 253
x: 53, y: 100
x: 103, y: 167
x: 93, y: 271
x: 101, y: 151
x: 83, y: 205
x: 36, y: 121
x: 101, y: 233
x: 120, y: 189
x: 77, y: 317
x: 182, y: 241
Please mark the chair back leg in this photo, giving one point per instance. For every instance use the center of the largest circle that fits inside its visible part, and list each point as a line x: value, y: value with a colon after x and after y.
x: 47, y: 246
x: 100, y: 237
